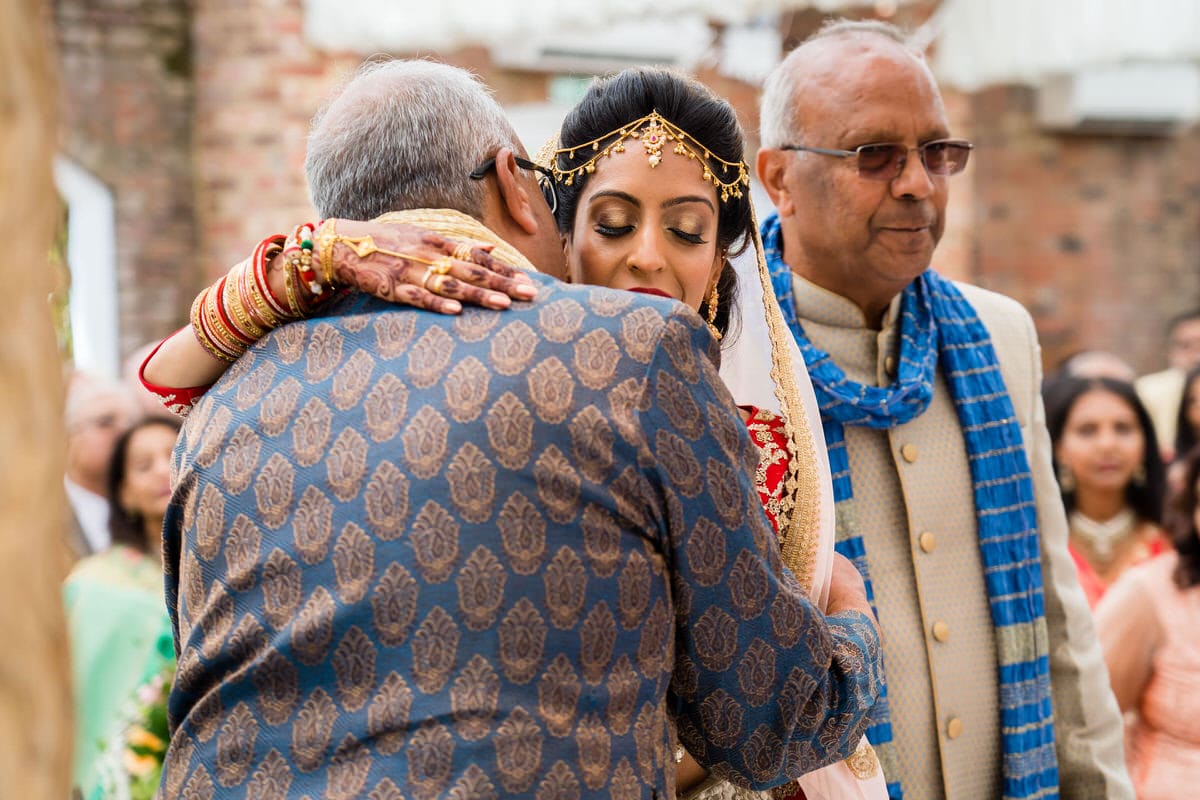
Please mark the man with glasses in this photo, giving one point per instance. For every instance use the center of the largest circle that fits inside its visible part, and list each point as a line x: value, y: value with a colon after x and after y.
x: 929, y: 393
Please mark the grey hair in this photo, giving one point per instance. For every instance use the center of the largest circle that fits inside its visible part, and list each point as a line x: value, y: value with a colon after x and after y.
x: 86, y: 390
x: 402, y: 135
x: 778, y: 119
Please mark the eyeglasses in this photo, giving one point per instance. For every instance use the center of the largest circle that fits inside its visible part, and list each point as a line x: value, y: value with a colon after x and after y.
x: 545, y: 178
x: 885, y: 162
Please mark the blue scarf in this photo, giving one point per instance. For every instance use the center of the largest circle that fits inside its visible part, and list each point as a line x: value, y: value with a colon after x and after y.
x: 938, y: 327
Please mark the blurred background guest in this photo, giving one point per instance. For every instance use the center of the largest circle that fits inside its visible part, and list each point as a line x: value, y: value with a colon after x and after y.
x: 117, y: 620
x: 97, y: 412
x: 1187, y: 423
x: 1111, y: 477
x: 1149, y: 626
x: 1161, y: 391
x: 1095, y: 364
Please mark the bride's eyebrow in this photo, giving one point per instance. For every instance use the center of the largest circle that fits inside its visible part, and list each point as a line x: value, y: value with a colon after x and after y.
x: 689, y: 198
x: 617, y: 195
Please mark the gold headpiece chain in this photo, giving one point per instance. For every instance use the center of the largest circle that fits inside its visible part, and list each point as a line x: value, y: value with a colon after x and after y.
x: 653, y: 131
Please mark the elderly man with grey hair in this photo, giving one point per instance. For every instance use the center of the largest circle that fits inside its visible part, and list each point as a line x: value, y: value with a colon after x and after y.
x: 929, y: 394
x: 398, y: 539
x: 98, y: 410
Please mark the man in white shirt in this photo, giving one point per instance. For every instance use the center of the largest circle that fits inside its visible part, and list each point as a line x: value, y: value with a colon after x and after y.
x: 1161, y: 392
x: 97, y: 412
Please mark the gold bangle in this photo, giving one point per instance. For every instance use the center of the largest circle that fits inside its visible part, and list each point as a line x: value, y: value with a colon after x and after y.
x: 257, y: 304
x: 327, y: 238
x: 238, y: 314
x: 218, y: 326
x: 200, y: 330
x: 296, y: 308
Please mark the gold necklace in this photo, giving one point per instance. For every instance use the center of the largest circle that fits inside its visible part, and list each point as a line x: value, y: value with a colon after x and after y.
x: 1103, y: 538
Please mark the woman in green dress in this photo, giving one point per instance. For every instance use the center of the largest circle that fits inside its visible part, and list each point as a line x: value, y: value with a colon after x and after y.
x: 119, y: 632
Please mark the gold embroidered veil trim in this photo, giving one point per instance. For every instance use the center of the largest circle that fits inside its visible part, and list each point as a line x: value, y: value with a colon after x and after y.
x: 800, y: 518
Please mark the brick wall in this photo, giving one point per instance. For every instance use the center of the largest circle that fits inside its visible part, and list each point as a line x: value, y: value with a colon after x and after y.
x: 1098, y: 236
x: 126, y: 91
x: 257, y: 86
x: 196, y: 115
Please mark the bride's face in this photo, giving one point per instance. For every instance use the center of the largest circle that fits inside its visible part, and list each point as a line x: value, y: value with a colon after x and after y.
x: 650, y: 229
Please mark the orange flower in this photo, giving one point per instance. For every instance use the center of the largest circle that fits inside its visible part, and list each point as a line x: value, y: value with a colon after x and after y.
x: 139, y: 766
x: 140, y: 737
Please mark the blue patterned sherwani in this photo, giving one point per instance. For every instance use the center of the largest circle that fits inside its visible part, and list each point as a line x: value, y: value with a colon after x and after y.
x: 492, y: 555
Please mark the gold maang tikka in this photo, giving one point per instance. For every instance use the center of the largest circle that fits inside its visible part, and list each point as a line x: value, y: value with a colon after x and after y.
x: 653, y: 132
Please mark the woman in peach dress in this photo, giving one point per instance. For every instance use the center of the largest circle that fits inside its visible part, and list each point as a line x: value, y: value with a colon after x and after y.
x: 1149, y: 625
x: 1111, y: 476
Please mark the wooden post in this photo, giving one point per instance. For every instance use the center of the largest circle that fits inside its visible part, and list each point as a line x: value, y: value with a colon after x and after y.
x: 35, y: 696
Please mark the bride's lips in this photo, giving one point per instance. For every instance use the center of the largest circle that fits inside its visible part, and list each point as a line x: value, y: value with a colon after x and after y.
x: 647, y: 290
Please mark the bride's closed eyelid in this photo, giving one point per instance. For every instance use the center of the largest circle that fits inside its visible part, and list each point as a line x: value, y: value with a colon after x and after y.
x: 690, y: 223
x: 612, y: 218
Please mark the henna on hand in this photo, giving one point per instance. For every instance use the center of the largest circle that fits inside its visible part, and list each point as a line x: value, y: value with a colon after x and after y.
x: 412, y: 266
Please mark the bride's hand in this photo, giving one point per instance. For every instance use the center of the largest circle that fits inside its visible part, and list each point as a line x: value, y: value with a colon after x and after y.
x: 412, y: 266
x: 688, y: 773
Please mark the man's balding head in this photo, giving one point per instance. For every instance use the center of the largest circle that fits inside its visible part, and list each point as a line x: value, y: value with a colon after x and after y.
x: 862, y: 236
x: 818, y: 62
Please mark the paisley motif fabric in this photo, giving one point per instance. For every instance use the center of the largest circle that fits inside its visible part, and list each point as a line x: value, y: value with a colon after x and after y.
x: 420, y: 556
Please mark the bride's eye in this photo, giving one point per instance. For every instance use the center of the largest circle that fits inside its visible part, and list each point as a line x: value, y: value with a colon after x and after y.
x: 613, y: 224
x: 688, y: 236
x: 612, y: 231
x: 689, y: 227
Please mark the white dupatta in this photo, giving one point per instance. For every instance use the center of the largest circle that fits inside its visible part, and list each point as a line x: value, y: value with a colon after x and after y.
x: 763, y: 367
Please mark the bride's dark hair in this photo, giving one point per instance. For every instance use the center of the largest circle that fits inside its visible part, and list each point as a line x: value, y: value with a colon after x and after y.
x: 619, y: 99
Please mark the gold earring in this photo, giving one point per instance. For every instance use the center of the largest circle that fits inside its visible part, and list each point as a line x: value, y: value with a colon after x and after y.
x: 1066, y: 479
x: 1139, y: 476
x: 711, y: 317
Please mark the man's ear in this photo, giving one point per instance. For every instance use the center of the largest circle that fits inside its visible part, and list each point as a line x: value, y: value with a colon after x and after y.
x: 771, y: 166
x: 514, y: 194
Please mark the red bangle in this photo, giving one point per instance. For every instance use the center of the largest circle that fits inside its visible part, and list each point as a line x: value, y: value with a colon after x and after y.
x: 177, y: 400
x: 265, y: 251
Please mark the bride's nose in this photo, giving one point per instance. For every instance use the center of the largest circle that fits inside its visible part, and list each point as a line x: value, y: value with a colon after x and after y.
x: 648, y: 254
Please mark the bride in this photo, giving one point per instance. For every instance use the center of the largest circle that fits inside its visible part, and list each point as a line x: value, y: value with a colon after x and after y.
x: 650, y: 190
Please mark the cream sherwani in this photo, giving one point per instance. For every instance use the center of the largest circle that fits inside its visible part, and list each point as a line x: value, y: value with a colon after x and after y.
x: 916, y: 514
x: 1161, y: 393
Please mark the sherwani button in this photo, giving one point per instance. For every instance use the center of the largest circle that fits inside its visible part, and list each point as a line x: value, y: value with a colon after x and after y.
x: 927, y: 541
x: 889, y: 366
x: 909, y: 452
x: 941, y: 631
x: 954, y: 728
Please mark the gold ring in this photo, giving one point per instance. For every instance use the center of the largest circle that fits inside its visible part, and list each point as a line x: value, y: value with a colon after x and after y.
x: 442, y: 265
x: 429, y: 273
x: 462, y: 252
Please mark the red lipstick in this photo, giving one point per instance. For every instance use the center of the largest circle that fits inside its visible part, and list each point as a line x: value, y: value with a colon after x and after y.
x: 648, y: 290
